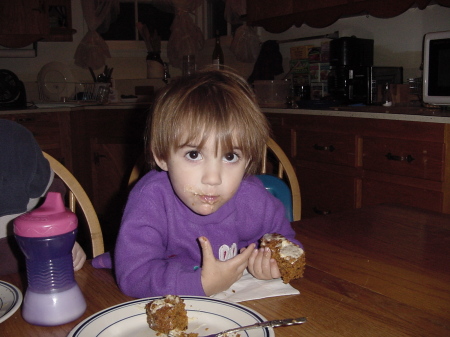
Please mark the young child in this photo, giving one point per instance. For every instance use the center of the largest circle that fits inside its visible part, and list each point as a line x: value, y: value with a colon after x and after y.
x: 185, y: 224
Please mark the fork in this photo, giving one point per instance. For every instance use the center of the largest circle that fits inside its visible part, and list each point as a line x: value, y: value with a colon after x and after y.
x: 272, y: 324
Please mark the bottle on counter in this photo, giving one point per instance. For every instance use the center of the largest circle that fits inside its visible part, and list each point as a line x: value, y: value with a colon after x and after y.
x: 217, y: 55
x: 387, y: 95
x: 46, y: 236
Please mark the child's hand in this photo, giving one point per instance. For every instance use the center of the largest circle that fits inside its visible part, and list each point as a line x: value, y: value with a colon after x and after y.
x: 262, y: 266
x: 78, y: 256
x: 218, y: 275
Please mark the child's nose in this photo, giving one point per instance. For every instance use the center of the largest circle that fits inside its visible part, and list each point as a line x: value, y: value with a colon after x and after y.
x: 212, y: 174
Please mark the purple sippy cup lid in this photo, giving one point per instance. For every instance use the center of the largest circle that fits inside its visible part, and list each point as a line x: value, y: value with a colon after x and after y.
x: 50, y: 219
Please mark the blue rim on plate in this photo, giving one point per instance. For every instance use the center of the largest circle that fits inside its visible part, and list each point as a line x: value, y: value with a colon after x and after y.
x: 206, y: 315
x: 10, y: 300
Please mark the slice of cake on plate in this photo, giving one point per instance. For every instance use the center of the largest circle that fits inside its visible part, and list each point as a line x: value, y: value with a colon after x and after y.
x: 168, y: 315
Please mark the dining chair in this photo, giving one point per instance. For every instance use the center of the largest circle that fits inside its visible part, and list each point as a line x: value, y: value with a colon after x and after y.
x: 288, y: 193
x: 77, y: 195
x: 283, y: 183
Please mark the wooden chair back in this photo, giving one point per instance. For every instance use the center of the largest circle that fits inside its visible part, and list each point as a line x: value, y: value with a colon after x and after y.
x: 286, y: 172
x: 77, y: 196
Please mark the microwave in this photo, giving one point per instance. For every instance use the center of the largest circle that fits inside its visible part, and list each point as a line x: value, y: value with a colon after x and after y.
x: 436, y: 68
x: 362, y: 85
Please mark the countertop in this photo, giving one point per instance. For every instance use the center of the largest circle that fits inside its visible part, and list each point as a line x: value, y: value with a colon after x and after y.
x: 415, y: 114
x: 49, y: 107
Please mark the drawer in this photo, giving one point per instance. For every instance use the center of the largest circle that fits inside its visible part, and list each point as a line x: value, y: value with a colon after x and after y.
x: 44, y: 126
x: 416, y: 159
x: 326, y: 147
x: 376, y: 192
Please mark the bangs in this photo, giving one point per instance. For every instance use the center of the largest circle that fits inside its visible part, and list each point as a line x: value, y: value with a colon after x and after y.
x: 216, y: 105
x: 207, y: 114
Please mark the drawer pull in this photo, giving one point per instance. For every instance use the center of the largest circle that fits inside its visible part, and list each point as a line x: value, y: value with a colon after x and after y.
x: 25, y: 120
x: 97, y: 157
x: 407, y: 158
x: 324, y: 148
x: 318, y: 211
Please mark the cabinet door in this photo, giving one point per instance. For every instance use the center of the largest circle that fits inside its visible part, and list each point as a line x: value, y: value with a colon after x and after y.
x: 106, y: 144
x: 22, y: 22
x: 325, y: 192
x: 48, y: 128
x: 263, y: 9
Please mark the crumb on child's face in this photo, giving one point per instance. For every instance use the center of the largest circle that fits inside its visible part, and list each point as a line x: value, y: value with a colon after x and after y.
x: 203, y: 180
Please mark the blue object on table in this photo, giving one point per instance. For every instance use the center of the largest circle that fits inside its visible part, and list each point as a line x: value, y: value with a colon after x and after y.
x: 279, y: 189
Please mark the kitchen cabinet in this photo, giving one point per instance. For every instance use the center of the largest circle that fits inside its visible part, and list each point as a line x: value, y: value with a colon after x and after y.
x: 99, y: 145
x: 278, y: 16
x: 51, y: 131
x: 345, y: 163
x: 25, y: 22
x: 105, y: 146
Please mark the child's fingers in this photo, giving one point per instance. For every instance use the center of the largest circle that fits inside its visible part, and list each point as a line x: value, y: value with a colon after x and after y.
x: 274, y: 270
x: 207, y: 252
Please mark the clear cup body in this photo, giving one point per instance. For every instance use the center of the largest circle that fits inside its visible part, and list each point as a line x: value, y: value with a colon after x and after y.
x: 53, y: 296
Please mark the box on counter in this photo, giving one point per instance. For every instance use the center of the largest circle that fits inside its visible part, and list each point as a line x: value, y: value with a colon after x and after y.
x: 299, y: 66
x: 325, y: 51
x: 324, y: 69
x: 314, y: 55
x: 300, y: 79
x: 314, y: 72
x: 300, y: 52
x: 319, y: 72
x: 319, y: 90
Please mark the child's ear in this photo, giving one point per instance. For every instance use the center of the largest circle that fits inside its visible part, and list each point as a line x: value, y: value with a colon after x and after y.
x: 162, y: 164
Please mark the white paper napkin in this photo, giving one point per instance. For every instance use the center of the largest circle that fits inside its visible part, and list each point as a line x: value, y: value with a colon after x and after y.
x: 249, y: 288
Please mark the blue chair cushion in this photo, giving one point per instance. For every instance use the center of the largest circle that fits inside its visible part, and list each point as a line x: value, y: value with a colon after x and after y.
x: 279, y: 189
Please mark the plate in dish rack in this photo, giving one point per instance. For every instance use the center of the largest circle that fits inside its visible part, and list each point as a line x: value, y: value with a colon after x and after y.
x: 55, y: 80
x: 10, y: 300
x: 206, y: 316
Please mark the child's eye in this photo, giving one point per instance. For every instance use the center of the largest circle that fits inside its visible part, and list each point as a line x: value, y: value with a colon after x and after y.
x: 231, y: 157
x: 193, y: 155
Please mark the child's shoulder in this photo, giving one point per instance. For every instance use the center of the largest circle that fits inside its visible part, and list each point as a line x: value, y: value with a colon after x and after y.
x: 152, y: 180
x: 253, y: 186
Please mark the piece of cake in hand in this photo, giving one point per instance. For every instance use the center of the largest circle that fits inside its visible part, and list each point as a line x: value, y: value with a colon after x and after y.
x: 168, y: 314
x: 289, y: 256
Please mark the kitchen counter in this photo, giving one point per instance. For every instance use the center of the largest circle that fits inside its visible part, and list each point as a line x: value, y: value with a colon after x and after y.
x: 61, y: 107
x: 417, y: 114
x: 414, y: 114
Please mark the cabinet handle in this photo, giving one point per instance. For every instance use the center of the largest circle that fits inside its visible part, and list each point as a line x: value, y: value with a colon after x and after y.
x: 97, y: 157
x: 25, y: 120
x: 318, y: 211
x: 407, y: 158
x: 323, y: 148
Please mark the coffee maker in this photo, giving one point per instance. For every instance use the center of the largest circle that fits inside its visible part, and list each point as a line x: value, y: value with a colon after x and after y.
x: 348, y: 57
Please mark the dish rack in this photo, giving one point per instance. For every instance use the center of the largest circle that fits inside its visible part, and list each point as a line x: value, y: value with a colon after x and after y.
x: 94, y: 92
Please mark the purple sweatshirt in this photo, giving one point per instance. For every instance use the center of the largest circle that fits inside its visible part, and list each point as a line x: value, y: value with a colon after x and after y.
x: 157, y: 251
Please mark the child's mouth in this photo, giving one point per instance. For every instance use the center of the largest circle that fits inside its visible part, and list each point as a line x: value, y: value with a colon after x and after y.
x: 208, y: 199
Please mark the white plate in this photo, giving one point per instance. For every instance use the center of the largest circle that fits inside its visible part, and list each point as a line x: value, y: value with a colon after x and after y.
x: 56, y: 80
x: 10, y: 300
x: 206, y: 316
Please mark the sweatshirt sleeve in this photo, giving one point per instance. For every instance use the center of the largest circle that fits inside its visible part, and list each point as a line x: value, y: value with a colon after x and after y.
x: 143, y: 265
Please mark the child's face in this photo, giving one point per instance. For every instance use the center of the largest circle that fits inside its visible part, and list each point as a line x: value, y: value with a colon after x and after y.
x: 202, y: 180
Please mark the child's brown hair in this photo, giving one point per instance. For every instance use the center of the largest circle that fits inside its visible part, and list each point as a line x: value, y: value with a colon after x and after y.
x: 217, y: 103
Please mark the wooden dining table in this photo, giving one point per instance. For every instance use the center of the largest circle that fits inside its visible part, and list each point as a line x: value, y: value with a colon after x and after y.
x: 381, y: 270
